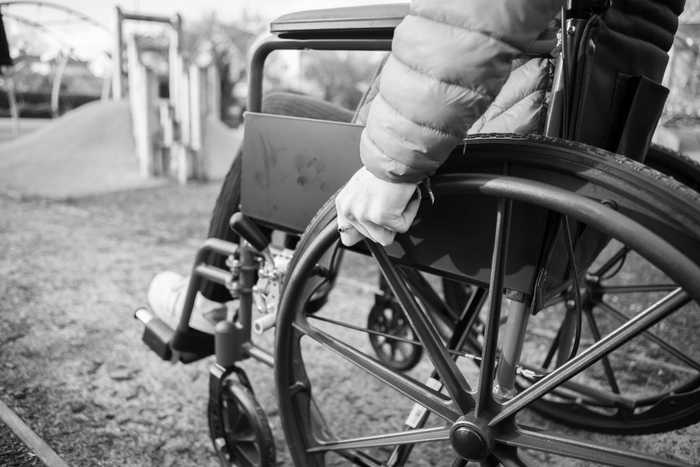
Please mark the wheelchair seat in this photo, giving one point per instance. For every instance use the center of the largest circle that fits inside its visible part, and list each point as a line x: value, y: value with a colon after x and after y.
x: 356, y: 22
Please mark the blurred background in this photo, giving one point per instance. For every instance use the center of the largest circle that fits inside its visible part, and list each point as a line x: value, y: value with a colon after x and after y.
x: 64, y: 57
x: 75, y: 39
x: 168, y: 79
x: 186, y: 63
x: 106, y: 114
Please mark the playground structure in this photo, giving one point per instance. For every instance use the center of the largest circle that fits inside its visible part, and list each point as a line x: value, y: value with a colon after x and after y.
x: 172, y: 115
x: 169, y: 125
x: 62, y: 59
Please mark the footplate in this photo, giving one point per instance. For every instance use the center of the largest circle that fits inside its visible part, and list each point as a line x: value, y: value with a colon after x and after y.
x: 158, y: 336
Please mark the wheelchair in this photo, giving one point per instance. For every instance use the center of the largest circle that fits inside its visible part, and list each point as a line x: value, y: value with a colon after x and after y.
x: 499, y: 310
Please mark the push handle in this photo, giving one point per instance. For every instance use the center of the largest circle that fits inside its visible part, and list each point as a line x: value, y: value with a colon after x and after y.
x: 247, y: 229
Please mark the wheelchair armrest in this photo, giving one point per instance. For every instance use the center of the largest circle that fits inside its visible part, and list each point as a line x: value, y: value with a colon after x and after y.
x: 355, y: 22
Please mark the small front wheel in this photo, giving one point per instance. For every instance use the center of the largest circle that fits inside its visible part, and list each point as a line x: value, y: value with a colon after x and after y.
x: 238, y: 426
x: 391, y: 335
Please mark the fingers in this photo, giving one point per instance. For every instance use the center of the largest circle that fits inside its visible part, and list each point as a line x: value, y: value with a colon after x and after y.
x: 398, y: 222
x: 409, y: 214
x: 352, y: 229
x: 370, y: 207
x: 378, y: 233
x: 350, y: 236
x: 352, y: 232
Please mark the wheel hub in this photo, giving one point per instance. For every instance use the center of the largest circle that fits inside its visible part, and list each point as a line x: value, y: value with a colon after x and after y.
x: 469, y: 440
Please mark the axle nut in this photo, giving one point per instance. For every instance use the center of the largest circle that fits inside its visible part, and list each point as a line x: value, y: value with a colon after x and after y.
x: 468, y: 441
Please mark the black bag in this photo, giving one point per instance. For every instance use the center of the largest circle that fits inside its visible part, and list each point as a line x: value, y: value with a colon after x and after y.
x: 615, y: 102
x: 617, y: 97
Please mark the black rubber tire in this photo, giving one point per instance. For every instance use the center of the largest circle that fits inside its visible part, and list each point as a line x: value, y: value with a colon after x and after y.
x: 685, y: 170
x: 375, y: 321
x: 640, y: 188
x: 674, y: 164
x: 237, y: 393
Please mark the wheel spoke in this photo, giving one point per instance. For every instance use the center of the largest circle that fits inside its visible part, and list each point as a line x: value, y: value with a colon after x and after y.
x: 607, y: 367
x: 569, y: 342
x: 428, y: 296
x: 612, y: 261
x: 509, y: 456
x: 498, y: 258
x: 595, y: 395
x: 385, y: 335
x: 414, y: 390
x: 589, y: 451
x: 243, y: 456
x: 609, y: 343
x: 647, y: 288
x: 454, y: 381
x: 460, y: 335
x: 676, y: 352
x: 552, y: 349
x: 247, y: 438
x: 357, y: 458
x: 424, y: 435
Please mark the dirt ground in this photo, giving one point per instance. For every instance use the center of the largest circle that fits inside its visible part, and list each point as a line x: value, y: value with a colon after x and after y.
x: 71, y: 361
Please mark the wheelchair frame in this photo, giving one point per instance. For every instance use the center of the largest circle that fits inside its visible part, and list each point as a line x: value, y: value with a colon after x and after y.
x: 238, y: 344
x: 252, y: 260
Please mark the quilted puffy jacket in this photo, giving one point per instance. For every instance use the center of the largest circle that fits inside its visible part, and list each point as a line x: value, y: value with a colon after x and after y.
x: 449, y: 61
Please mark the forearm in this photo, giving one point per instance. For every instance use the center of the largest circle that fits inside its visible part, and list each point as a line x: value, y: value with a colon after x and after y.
x: 449, y: 60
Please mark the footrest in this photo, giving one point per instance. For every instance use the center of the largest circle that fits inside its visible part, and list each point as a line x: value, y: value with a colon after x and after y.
x: 165, y: 342
x: 156, y: 333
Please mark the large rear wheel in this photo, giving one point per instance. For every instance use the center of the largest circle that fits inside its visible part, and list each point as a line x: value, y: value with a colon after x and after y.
x: 340, y: 404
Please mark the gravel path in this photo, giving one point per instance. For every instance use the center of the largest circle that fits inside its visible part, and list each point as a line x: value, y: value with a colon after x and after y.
x: 71, y: 361
x: 13, y: 452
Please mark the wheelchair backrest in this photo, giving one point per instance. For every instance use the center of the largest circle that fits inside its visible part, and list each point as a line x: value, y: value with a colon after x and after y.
x: 613, y: 65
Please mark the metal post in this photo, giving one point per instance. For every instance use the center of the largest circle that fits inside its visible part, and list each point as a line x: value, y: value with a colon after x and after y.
x: 513, y: 337
x: 247, y: 279
x: 197, y: 111
x: 56, y: 85
x: 175, y: 62
x: 117, y: 79
x: 213, y: 92
x: 12, y: 97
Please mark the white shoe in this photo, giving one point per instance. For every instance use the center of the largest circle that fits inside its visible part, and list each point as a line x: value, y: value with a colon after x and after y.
x: 166, y: 296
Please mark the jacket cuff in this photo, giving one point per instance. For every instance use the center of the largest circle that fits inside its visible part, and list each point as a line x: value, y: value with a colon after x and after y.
x: 384, y: 167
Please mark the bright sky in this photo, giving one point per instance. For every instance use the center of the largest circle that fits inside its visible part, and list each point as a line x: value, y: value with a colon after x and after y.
x: 90, y: 42
x: 103, y: 10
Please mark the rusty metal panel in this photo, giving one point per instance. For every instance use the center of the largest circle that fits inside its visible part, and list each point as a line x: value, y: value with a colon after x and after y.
x: 291, y: 166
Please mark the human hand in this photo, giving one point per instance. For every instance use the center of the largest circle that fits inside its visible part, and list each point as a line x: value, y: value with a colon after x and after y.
x: 374, y: 208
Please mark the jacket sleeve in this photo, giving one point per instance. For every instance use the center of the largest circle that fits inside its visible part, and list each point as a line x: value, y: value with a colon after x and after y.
x: 449, y: 60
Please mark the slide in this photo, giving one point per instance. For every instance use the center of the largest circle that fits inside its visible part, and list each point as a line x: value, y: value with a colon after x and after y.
x: 89, y: 150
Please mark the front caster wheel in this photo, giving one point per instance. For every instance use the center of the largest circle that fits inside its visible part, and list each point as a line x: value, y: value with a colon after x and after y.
x: 392, y: 341
x: 237, y: 424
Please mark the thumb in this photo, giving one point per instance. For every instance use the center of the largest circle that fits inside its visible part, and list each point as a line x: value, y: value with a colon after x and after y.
x: 409, y: 213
